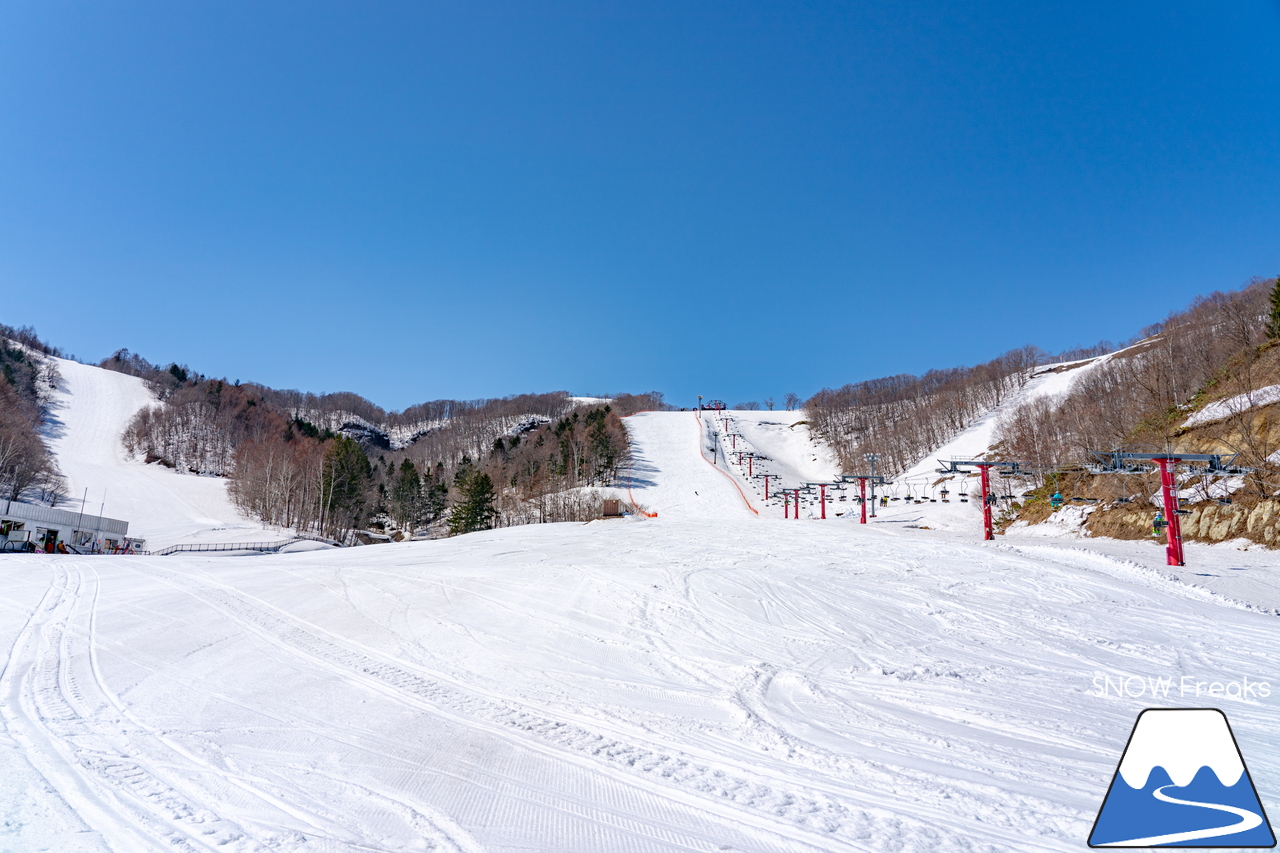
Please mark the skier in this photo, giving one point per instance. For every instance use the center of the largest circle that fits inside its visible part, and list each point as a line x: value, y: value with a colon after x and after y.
x: 1056, y: 500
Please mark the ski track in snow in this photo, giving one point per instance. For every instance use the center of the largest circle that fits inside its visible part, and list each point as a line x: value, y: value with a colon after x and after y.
x: 703, y: 680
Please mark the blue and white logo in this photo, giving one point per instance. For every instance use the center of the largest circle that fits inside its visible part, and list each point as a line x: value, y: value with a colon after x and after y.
x: 1182, y: 783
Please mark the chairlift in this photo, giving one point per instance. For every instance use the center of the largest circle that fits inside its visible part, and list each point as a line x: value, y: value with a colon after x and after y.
x: 1224, y: 501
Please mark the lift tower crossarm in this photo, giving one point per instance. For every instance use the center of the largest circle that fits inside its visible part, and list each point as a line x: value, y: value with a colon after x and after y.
x: 1214, y: 463
x: 823, y: 489
x: 766, y: 478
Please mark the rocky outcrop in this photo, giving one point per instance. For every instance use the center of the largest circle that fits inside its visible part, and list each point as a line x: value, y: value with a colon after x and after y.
x: 1209, y: 522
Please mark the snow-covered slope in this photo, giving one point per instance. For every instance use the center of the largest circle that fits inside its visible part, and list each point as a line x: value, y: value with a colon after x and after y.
x: 672, y: 473
x: 707, y: 680
x: 91, y: 409
x: 1053, y: 380
x: 670, y: 685
x: 1220, y: 409
x: 792, y: 450
x: 703, y: 680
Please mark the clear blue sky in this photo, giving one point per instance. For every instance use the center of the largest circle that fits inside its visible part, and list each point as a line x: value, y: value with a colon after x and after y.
x: 421, y: 200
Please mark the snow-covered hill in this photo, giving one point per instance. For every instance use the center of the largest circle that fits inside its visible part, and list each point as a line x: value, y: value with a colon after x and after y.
x: 705, y: 680
x: 1051, y: 381
x: 90, y: 411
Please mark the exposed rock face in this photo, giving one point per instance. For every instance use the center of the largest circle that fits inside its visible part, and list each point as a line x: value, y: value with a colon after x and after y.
x: 1207, y: 523
x: 1263, y: 524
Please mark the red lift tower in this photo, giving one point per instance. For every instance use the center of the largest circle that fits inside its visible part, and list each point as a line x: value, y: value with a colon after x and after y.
x: 767, y: 478
x: 863, y: 479
x: 1010, y: 469
x: 822, y: 487
x: 1207, y: 464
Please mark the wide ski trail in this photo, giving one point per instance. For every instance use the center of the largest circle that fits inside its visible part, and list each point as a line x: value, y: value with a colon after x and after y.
x: 91, y: 409
x: 655, y: 685
x: 672, y: 472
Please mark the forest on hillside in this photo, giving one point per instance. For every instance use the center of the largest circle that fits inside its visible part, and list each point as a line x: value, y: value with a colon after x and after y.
x: 28, y: 470
x: 1224, y: 346
x: 337, y: 463
x: 334, y: 464
x: 902, y: 418
x: 1138, y: 397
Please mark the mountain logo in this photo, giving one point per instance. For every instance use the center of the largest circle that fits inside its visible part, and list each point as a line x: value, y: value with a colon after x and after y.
x: 1182, y: 782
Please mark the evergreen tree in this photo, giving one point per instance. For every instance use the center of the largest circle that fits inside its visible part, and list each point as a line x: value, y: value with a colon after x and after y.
x: 405, y: 497
x: 436, y: 499
x: 1273, y: 322
x: 345, y: 482
x: 475, y: 508
x: 435, y: 493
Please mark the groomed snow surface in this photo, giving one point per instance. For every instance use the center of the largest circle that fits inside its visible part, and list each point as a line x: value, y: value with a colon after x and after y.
x: 706, y: 680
